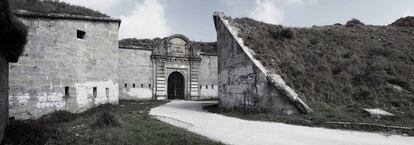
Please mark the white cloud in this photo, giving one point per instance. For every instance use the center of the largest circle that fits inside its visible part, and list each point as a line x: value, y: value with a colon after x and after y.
x: 101, y: 5
x: 408, y: 12
x: 267, y: 11
x: 300, y: 2
x: 294, y: 1
x: 147, y: 20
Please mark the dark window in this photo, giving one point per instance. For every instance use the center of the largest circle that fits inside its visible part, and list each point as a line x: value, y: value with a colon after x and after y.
x: 95, y: 92
x: 201, y: 86
x: 142, y: 85
x: 107, y: 92
x: 80, y: 34
x: 212, y: 86
x: 126, y: 85
x: 206, y: 86
x: 67, y: 91
x: 149, y: 85
x: 133, y: 85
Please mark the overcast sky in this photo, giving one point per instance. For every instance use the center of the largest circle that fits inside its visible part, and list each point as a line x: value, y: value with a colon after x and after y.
x: 193, y: 18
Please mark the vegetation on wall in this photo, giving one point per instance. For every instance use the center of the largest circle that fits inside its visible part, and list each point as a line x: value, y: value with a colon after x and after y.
x: 206, y: 47
x: 53, y: 6
x: 13, y: 33
x: 341, y: 67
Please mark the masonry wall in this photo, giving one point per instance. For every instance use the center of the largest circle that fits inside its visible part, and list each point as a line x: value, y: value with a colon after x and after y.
x: 55, y: 60
x: 208, y: 76
x: 4, y: 90
x: 241, y: 84
x: 135, y: 72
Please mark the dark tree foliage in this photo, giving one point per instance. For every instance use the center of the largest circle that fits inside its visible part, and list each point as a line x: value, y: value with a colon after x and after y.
x: 354, y: 22
x: 53, y: 6
x: 404, y: 22
x: 13, y: 33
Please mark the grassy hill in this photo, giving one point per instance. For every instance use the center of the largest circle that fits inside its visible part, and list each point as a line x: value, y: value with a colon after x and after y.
x: 340, y: 69
x: 51, y: 6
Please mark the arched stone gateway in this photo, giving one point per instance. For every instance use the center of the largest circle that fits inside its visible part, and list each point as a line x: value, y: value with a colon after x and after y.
x: 176, y: 65
x: 176, y: 86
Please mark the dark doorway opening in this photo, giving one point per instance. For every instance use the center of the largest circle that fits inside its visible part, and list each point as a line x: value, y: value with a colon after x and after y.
x: 176, y: 86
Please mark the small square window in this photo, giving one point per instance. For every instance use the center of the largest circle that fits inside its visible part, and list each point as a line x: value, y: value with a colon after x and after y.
x: 67, y: 91
x: 107, y: 92
x: 95, y: 92
x: 80, y: 34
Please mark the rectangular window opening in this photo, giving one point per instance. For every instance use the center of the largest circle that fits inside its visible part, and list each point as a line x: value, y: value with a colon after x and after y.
x: 95, y: 92
x: 107, y: 92
x: 149, y: 85
x: 206, y: 86
x: 212, y: 86
x: 126, y: 85
x: 80, y: 34
x: 142, y: 85
x: 201, y: 86
x: 67, y: 91
x: 133, y: 85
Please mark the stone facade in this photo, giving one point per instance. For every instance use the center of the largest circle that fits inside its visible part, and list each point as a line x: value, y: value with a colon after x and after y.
x: 4, y: 93
x: 144, y: 71
x: 208, y: 76
x: 135, y: 74
x: 74, y: 63
x: 69, y: 64
x: 243, y: 81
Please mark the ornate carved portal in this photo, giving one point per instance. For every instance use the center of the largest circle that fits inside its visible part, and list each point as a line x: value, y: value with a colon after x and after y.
x: 176, y: 64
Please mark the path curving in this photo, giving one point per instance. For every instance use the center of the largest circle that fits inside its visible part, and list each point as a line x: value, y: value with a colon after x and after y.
x: 229, y: 130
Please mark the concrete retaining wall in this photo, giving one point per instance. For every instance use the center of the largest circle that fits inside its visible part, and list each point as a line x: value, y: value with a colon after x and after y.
x: 243, y: 83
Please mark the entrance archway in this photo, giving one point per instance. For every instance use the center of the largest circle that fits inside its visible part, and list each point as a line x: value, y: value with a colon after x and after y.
x: 176, y: 86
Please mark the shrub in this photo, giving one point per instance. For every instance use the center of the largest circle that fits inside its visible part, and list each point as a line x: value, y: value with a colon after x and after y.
x: 404, y: 22
x: 354, y: 22
x: 13, y: 33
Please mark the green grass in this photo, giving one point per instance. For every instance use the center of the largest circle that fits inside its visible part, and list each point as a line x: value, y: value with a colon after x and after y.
x: 136, y: 127
x: 320, y: 119
x: 49, y: 6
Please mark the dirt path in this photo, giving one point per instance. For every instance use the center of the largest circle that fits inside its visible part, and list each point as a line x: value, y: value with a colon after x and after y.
x: 229, y: 130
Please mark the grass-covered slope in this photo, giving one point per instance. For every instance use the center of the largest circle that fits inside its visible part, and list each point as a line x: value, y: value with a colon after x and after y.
x: 341, y: 68
x: 50, y: 6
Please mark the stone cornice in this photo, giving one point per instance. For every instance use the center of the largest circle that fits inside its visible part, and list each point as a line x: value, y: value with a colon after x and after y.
x: 29, y: 14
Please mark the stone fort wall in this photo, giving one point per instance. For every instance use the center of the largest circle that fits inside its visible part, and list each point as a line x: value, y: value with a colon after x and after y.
x: 62, y: 69
x: 135, y: 72
x: 208, y: 76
